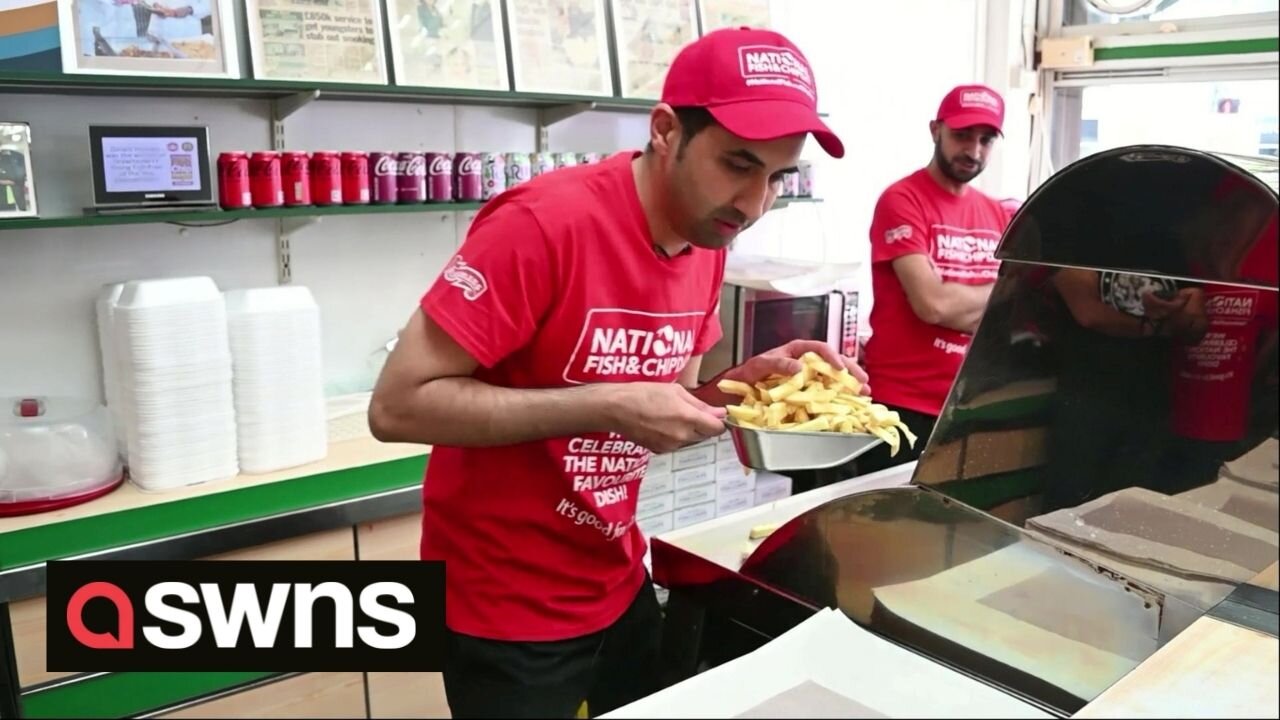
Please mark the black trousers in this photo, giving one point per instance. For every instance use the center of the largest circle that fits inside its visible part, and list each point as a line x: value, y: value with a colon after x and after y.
x: 608, y: 669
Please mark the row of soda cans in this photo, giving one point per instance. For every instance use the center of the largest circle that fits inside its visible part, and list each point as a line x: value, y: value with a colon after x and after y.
x: 291, y: 178
x: 465, y: 176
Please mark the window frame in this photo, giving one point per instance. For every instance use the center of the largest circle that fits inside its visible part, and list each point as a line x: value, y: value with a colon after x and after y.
x: 1204, y: 49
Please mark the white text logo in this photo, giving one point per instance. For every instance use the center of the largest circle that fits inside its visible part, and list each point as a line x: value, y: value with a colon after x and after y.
x: 469, y: 280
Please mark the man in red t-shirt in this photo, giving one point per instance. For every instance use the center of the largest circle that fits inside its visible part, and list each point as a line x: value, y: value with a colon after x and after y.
x: 558, y: 348
x: 933, y: 242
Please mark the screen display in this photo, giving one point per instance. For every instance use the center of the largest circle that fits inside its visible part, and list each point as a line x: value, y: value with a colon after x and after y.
x: 151, y: 164
x: 778, y: 322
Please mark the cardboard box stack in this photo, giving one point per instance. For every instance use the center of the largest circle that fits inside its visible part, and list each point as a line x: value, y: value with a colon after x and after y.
x: 699, y: 483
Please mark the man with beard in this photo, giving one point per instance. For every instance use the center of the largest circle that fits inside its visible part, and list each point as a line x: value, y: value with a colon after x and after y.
x: 933, y: 241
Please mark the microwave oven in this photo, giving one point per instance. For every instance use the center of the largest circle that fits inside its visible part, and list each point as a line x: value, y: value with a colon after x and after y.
x: 755, y: 321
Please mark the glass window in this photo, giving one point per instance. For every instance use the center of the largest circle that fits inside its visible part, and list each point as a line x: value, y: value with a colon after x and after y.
x: 1234, y: 117
x: 1086, y: 12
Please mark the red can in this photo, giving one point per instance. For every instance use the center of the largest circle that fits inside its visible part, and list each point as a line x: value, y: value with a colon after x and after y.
x: 233, y: 180
x: 295, y: 167
x: 355, y: 178
x: 326, y: 178
x: 264, y: 179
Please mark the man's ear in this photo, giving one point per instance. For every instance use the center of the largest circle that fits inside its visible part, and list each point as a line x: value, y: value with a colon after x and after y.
x: 935, y: 129
x: 664, y: 129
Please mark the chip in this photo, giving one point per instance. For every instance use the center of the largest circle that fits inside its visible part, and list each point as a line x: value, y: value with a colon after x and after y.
x: 819, y: 398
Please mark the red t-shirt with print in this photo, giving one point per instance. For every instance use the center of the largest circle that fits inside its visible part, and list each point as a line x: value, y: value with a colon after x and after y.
x: 558, y: 284
x: 911, y: 363
x: 1213, y: 379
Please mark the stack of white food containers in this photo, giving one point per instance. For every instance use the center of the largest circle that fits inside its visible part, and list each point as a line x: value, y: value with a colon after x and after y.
x: 701, y: 482
x: 106, y: 309
x: 280, y: 410
x: 172, y: 366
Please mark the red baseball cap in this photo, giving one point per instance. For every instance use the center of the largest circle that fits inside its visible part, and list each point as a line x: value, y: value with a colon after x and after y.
x: 969, y: 105
x: 755, y: 83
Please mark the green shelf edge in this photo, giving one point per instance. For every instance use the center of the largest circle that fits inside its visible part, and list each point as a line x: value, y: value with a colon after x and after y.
x: 1015, y: 408
x: 248, y: 87
x: 128, y: 694
x: 211, y: 218
x: 989, y: 491
x: 70, y: 538
x: 1222, y: 47
x: 75, y: 83
x: 216, y: 217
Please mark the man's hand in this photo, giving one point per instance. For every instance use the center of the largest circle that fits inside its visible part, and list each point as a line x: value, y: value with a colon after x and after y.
x: 784, y: 360
x: 661, y: 416
x: 1183, y: 316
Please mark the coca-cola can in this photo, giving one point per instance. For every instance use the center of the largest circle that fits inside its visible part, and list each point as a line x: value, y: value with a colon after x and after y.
x: 439, y: 177
x: 806, y: 179
x: 355, y: 178
x: 382, y: 165
x: 295, y: 170
x: 411, y: 178
x: 566, y: 159
x: 467, y: 177
x: 495, y: 174
x: 519, y: 168
x: 543, y: 163
x: 233, y: 181
x: 589, y: 158
x: 264, y: 179
x: 326, y: 178
x: 790, y: 184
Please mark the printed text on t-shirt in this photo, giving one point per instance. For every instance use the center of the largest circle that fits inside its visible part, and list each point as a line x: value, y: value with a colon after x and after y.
x: 623, y: 345
x: 963, y: 254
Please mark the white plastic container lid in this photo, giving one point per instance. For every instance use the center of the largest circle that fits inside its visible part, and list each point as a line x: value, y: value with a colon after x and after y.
x: 55, y: 447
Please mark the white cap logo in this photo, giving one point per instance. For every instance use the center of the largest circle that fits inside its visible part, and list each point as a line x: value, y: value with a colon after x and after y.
x: 773, y: 65
x: 979, y: 98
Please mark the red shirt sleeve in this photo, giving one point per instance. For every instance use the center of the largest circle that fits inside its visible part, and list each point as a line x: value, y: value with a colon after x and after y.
x: 495, y: 290
x: 897, y: 228
x: 711, y: 331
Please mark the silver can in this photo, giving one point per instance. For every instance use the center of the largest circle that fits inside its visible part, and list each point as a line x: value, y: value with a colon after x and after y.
x: 566, y: 159
x: 519, y: 168
x: 790, y: 185
x: 493, y: 174
x: 543, y: 163
x: 806, y: 179
x: 589, y: 158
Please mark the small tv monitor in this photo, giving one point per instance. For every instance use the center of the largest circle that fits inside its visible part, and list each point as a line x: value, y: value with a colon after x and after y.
x: 150, y: 166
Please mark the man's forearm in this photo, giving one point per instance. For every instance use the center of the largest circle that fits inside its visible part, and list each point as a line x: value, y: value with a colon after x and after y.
x: 465, y: 412
x: 962, y: 306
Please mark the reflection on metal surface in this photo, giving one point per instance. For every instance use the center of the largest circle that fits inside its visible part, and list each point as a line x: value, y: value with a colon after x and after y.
x: 1120, y: 392
x: 1126, y: 363
x: 1192, y: 216
x: 965, y: 589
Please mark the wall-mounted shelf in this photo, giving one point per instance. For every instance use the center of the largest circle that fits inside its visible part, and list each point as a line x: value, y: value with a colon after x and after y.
x: 74, y: 84
x: 217, y: 217
x: 296, y: 94
x: 197, y: 218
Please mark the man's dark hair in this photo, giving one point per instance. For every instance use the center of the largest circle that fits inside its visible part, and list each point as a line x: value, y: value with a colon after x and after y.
x: 693, y: 120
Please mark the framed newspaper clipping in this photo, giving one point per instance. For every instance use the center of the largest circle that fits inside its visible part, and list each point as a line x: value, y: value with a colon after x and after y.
x: 719, y: 14
x: 166, y: 38
x: 560, y: 46
x: 317, y: 40
x: 448, y: 43
x: 648, y: 34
